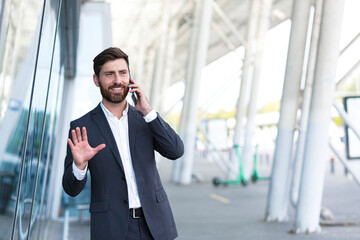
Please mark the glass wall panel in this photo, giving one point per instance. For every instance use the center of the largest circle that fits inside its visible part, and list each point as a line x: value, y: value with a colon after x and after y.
x: 47, y: 150
x: 27, y: 130
x: 16, y: 75
x: 18, y: 30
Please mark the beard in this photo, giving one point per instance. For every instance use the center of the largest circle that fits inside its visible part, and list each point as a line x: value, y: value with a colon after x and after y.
x: 111, y: 96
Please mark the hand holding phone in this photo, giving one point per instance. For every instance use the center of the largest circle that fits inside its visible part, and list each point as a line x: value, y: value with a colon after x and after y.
x: 133, y: 94
x: 139, y: 98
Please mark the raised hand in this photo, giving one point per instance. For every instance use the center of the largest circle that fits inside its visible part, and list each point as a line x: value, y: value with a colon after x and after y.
x: 81, y: 150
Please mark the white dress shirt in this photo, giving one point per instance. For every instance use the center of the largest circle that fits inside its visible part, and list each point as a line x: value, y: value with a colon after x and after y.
x: 120, y: 130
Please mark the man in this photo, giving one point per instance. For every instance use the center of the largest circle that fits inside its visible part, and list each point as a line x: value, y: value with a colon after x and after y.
x: 116, y: 144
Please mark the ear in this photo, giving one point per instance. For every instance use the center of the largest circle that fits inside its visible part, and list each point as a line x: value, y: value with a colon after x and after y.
x: 96, y: 80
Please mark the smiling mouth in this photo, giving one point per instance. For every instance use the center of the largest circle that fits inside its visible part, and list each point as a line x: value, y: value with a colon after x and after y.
x: 117, y: 90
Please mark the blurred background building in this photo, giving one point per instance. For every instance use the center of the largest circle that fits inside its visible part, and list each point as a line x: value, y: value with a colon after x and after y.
x: 277, y: 81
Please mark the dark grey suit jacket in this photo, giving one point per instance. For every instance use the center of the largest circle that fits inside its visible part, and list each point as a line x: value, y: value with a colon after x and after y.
x: 109, y: 205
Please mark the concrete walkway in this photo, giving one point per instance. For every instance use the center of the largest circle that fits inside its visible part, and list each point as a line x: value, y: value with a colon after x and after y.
x: 205, y: 212
x: 235, y: 212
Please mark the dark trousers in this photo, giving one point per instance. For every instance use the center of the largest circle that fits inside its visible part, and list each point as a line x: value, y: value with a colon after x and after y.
x: 138, y: 229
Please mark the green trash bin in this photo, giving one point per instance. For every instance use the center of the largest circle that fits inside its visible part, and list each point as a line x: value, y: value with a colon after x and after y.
x: 6, y: 185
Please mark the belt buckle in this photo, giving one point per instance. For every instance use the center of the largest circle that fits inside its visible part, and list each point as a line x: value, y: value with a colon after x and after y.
x: 134, y: 213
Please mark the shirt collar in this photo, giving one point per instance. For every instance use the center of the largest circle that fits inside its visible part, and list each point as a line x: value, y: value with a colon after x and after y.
x: 108, y: 114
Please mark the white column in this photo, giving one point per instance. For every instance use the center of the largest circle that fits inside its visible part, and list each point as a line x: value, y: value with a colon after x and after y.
x: 178, y: 165
x: 140, y: 63
x: 305, y: 108
x: 156, y: 85
x: 241, y: 102
x: 169, y: 60
x: 316, y: 147
x: 148, y: 70
x: 263, y: 26
x: 202, y: 29
x: 278, y: 195
x: 54, y: 194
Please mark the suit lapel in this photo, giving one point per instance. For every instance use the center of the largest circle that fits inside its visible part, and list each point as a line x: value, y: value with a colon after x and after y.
x: 104, y: 127
x: 133, y: 118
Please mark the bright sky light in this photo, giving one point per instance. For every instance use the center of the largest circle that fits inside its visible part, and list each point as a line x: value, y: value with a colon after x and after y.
x: 220, y: 84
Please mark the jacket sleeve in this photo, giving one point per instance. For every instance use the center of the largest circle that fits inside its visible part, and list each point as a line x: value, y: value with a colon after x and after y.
x: 166, y: 141
x: 71, y: 185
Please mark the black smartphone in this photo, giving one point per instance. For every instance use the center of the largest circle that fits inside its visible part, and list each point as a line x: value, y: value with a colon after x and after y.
x: 133, y: 94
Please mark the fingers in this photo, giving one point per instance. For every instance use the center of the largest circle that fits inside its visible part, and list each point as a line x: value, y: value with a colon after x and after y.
x: 74, y: 138
x: 77, y: 136
x: 134, y: 87
x: 99, y: 147
x: 71, y: 145
x: 132, y: 80
x: 84, y: 134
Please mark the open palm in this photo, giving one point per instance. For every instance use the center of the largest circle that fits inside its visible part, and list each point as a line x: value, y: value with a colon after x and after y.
x: 81, y: 151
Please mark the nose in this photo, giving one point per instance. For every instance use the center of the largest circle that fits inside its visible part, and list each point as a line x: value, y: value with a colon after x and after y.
x: 118, y: 79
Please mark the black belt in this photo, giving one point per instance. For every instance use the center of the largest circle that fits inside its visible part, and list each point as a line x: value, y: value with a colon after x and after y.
x: 136, y: 212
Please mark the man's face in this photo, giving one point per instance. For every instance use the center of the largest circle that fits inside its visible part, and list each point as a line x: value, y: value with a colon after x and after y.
x: 113, y: 80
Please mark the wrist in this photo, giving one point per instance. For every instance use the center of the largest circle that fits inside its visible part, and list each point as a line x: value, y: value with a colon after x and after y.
x: 78, y: 173
x: 81, y: 166
x: 150, y: 116
x: 146, y: 111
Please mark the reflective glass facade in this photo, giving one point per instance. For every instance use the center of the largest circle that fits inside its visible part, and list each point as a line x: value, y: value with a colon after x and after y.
x: 31, y: 83
x: 38, y: 63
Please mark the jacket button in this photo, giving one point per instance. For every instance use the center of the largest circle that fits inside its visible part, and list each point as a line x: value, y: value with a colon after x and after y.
x: 123, y: 178
x: 126, y: 201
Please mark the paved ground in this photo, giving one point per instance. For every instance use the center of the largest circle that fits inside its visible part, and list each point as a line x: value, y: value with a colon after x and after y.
x: 203, y: 211
x: 199, y: 215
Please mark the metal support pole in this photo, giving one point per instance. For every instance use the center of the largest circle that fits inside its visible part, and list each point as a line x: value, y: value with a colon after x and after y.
x: 353, y: 126
x: 227, y: 22
x: 316, y: 146
x: 278, y: 199
x: 218, y: 29
x: 348, y: 74
x: 346, y: 165
x: 305, y: 109
x: 252, y: 107
x: 241, y: 102
x: 189, y: 134
x: 349, y: 44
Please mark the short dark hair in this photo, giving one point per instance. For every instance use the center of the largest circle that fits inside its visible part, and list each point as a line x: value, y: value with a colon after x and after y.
x: 109, y: 54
